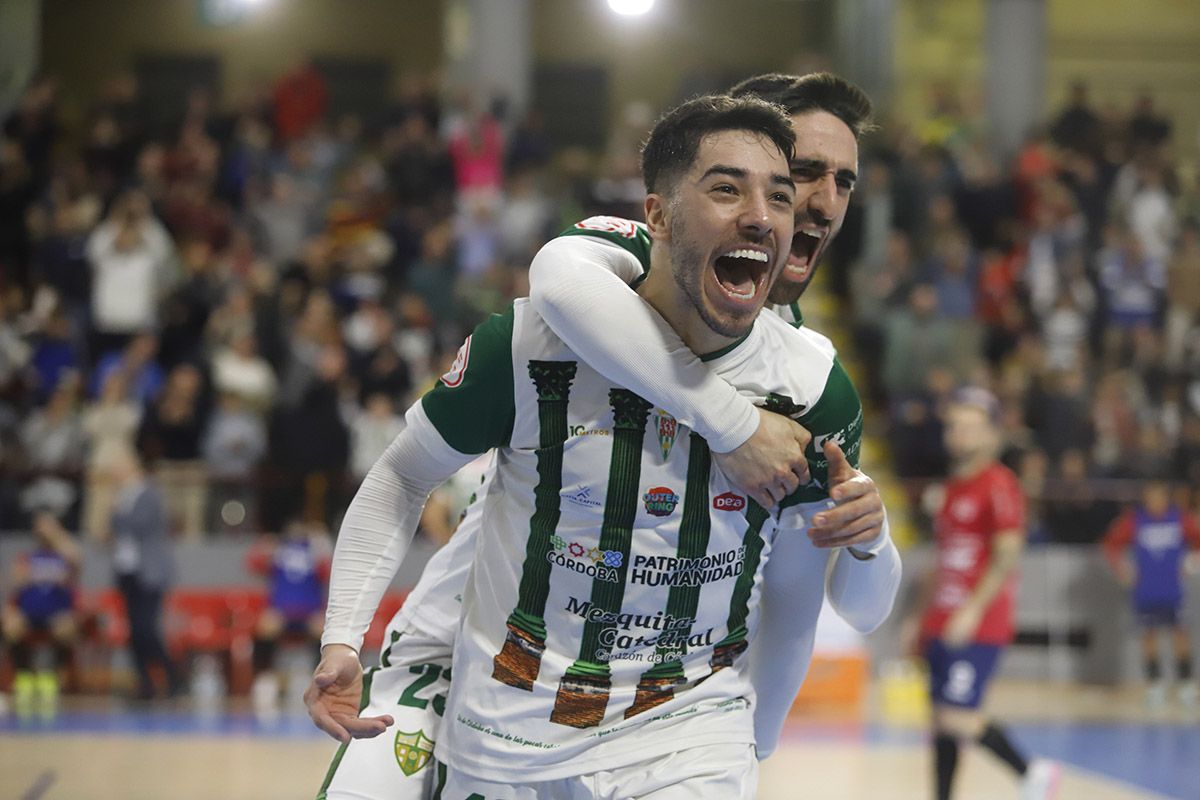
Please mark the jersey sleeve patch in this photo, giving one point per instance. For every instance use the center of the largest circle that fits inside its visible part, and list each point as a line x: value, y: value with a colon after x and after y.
x: 836, y: 416
x: 624, y: 233
x: 472, y: 405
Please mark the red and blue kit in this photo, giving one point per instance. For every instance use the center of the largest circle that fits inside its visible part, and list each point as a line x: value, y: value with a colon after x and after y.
x: 975, y: 510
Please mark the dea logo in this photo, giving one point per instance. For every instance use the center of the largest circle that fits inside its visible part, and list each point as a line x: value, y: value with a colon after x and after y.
x: 413, y: 751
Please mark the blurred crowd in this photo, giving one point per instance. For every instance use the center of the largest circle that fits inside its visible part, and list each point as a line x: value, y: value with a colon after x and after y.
x: 1066, y: 277
x: 250, y: 296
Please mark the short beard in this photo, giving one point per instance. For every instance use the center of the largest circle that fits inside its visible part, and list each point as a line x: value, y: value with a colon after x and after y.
x: 684, y: 260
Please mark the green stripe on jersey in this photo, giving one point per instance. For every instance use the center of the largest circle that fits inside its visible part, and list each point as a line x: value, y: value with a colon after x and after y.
x: 625, y: 233
x: 616, y: 531
x: 552, y: 379
x: 694, y: 529
x: 473, y: 405
x: 836, y: 415
x: 739, y: 603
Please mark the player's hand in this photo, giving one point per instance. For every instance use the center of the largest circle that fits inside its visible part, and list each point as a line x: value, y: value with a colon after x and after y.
x: 857, y: 517
x: 334, y: 695
x: 961, y: 627
x: 769, y: 465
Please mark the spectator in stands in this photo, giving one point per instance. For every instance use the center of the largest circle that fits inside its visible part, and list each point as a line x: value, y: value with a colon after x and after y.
x: 917, y: 340
x: 1147, y: 547
x: 296, y: 567
x: 170, y: 439
x: 1133, y: 283
x: 1074, y: 508
x: 18, y: 191
x: 283, y: 219
x: 131, y: 258
x: 110, y: 424
x: 142, y: 377
x: 55, y: 356
x: 42, y: 604
x: 1077, y: 126
x: 234, y: 445
x: 53, y: 440
x: 372, y: 430
x: 310, y: 442
x: 144, y: 566
x: 1183, y: 298
x: 238, y: 369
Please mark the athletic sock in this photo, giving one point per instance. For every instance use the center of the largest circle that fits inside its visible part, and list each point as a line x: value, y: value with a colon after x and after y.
x: 1184, y: 667
x: 62, y: 654
x: 995, y: 739
x: 22, y: 655
x: 264, y: 655
x: 945, y: 761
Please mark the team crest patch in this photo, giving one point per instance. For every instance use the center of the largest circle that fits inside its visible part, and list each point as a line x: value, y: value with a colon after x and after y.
x: 667, y: 429
x: 454, y: 376
x: 660, y: 501
x: 413, y: 751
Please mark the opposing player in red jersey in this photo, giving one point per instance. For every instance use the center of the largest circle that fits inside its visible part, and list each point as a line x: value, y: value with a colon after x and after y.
x: 966, y: 610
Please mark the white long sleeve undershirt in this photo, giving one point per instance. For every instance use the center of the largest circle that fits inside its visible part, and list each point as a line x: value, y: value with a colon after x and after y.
x: 580, y: 287
x: 860, y: 592
x: 380, y: 523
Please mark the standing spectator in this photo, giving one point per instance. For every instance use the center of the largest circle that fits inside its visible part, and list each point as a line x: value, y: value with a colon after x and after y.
x: 238, y: 369
x: 170, y: 439
x: 372, y: 430
x: 110, y: 424
x: 965, y: 615
x: 142, y: 378
x: 130, y: 255
x: 1133, y: 283
x: 1077, y: 125
x: 1183, y: 296
x: 43, y: 601
x: 234, y: 445
x: 300, y: 98
x: 144, y: 565
x: 1146, y: 548
x: 18, y: 191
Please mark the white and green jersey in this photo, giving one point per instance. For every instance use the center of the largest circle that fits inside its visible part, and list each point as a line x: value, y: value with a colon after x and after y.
x: 434, y: 603
x: 616, y: 572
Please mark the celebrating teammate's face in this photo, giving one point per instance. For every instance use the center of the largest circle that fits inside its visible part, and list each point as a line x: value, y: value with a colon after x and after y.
x: 729, y: 221
x: 825, y: 169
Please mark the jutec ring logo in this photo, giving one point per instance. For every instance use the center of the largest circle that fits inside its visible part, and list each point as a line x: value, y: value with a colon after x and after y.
x: 660, y: 501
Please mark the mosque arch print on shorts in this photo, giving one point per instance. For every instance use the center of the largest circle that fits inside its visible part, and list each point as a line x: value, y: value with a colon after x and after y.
x: 520, y: 658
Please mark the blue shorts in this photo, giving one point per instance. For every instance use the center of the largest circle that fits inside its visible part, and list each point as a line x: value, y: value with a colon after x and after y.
x: 1157, y: 615
x: 959, y: 677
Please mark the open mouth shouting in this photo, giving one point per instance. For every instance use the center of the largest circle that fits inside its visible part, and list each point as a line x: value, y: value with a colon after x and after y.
x: 741, y: 274
x: 808, y: 243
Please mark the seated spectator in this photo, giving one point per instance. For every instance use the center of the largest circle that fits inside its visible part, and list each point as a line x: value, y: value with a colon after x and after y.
x: 43, y: 603
x: 296, y: 567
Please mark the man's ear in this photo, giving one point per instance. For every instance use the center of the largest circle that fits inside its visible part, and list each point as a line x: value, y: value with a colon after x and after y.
x: 657, y: 216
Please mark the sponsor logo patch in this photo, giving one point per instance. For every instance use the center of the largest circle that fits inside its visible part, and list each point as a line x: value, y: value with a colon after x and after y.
x: 660, y: 501
x: 729, y: 502
x: 583, y: 497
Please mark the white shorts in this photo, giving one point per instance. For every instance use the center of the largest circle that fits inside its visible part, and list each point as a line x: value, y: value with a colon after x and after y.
x: 410, y: 684
x: 729, y: 772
